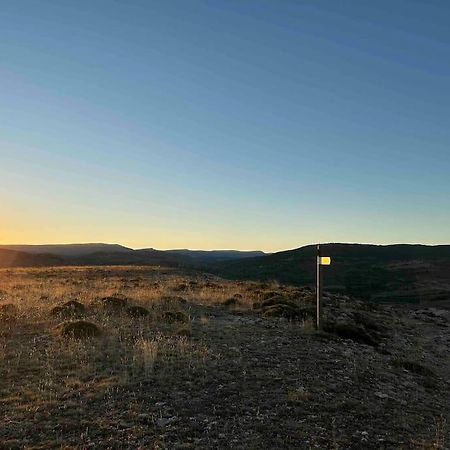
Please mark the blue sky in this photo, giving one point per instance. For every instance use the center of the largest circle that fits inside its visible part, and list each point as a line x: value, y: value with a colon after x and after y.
x: 224, y: 124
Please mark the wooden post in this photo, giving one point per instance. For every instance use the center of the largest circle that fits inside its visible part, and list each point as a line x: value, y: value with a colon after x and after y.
x: 318, y: 288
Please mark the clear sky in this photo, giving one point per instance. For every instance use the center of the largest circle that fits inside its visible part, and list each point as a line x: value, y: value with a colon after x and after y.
x: 247, y: 124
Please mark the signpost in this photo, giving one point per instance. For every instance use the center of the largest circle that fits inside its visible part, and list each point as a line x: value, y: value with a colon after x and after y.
x: 321, y: 261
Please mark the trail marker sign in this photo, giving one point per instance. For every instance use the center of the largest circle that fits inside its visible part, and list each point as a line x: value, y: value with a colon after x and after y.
x: 321, y: 261
x: 325, y: 261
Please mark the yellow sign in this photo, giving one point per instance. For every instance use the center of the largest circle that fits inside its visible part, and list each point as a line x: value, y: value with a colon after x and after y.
x: 325, y: 260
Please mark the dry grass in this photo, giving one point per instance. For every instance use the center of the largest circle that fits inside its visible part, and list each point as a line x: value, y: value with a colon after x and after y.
x: 196, y: 369
x: 38, y: 364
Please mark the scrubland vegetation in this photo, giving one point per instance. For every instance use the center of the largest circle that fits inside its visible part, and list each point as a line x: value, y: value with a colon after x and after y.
x: 141, y: 357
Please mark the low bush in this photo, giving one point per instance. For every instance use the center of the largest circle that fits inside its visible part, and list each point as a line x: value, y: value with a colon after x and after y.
x: 79, y: 329
x: 175, y: 316
x: 137, y: 311
x: 69, y: 309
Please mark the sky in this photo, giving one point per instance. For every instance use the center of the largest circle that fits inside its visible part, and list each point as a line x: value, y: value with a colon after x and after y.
x: 216, y: 124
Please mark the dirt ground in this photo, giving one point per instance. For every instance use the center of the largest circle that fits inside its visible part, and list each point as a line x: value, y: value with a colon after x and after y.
x: 204, y: 366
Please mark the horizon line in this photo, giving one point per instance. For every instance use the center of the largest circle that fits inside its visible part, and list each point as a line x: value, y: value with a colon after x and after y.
x: 224, y: 249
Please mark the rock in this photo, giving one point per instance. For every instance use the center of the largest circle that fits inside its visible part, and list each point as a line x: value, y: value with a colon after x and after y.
x: 381, y: 395
x: 79, y: 329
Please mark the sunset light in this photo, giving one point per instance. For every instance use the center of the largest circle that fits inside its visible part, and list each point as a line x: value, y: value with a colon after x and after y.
x: 225, y: 224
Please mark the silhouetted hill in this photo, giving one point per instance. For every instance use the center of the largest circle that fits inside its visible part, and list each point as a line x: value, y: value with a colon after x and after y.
x: 401, y: 273
x: 12, y: 258
x: 69, y: 249
x: 118, y: 252
x: 114, y: 254
x: 375, y: 272
x: 211, y: 256
x: 142, y: 257
x: 172, y: 258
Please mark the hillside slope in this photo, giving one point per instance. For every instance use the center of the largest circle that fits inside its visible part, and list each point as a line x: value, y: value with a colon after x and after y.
x: 134, y: 257
x: 212, y: 256
x: 382, y: 273
x: 113, y: 254
x: 11, y: 258
x: 68, y: 250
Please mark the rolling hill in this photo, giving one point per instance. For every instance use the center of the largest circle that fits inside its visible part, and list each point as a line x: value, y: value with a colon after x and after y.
x: 380, y: 273
x: 69, y: 250
x: 398, y: 273
x: 12, y: 258
x: 212, y: 256
x: 113, y: 254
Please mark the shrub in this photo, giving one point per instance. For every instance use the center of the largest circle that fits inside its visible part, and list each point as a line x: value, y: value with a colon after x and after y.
x: 79, y: 329
x: 368, y: 322
x: 270, y: 294
x: 180, y: 287
x: 146, y: 353
x: 8, y: 312
x: 175, y: 316
x: 184, y: 330
x: 68, y: 309
x: 114, y: 303
x: 137, y: 311
x: 281, y: 307
x: 352, y: 331
x: 173, y: 299
x: 281, y: 310
x: 232, y: 301
x: 278, y: 300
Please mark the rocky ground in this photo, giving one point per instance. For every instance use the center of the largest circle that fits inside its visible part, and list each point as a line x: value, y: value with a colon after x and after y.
x: 209, y: 363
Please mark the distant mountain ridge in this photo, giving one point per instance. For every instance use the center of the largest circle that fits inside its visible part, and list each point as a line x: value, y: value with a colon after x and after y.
x: 68, y: 249
x: 400, y: 272
x: 115, y: 254
x: 13, y: 258
x: 210, y: 256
